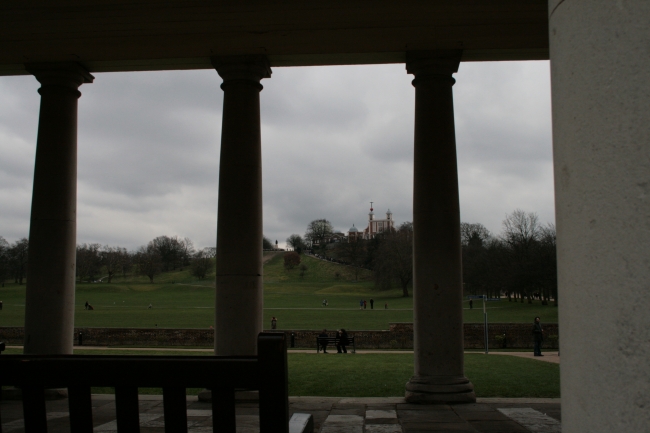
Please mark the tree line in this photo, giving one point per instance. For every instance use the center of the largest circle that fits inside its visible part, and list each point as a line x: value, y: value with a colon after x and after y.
x: 519, y: 263
x: 13, y: 260
x: 104, y: 262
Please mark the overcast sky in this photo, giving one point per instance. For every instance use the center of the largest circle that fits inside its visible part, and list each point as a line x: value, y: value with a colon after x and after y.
x: 333, y: 139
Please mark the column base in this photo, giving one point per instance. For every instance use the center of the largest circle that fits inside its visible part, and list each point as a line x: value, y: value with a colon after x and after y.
x: 440, y: 389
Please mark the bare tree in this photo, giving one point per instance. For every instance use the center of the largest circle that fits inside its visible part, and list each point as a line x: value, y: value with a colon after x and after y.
x: 266, y: 243
x: 18, y: 259
x: 149, y: 261
x: 174, y: 252
x: 296, y: 242
x: 168, y: 249
x: 473, y: 234
x: 4, y: 259
x: 521, y: 229
x: 318, y: 231
x: 126, y: 264
x: 186, y: 251
x: 393, y: 261
x: 89, y: 261
x: 521, y: 234
x: 354, y: 253
x: 113, y: 260
x: 203, y: 263
x: 548, y: 263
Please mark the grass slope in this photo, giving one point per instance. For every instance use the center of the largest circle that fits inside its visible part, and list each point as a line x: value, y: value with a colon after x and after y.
x: 181, y: 301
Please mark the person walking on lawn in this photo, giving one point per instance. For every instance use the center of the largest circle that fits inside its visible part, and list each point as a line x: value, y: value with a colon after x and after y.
x: 322, y: 340
x: 341, y: 341
x: 538, y: 334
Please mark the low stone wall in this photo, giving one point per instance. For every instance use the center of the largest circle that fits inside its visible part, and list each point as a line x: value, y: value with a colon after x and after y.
x: 398, y: 336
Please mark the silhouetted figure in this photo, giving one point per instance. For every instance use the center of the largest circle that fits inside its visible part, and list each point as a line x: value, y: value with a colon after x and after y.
x: 538, y: 335
x: 322, y: 340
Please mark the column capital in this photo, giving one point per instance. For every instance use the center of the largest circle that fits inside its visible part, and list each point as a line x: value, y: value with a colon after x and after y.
x: 65, y: 74
x: 433, y: 64
x: 251, y: 68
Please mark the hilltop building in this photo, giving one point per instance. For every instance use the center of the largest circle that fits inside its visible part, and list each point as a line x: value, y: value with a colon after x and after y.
x: 375, y: 226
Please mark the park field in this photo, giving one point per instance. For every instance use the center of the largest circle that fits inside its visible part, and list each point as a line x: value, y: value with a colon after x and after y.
x: 179, y: 300
x: 384, y: 374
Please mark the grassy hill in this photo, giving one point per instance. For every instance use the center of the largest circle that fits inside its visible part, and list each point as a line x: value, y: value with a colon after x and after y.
x: 179, y: 300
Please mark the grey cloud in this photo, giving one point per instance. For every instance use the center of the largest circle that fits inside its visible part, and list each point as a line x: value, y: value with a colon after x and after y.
x: 333, y: 139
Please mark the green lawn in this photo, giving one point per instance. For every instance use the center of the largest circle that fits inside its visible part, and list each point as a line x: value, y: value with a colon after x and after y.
x: 180, y: 301
x: 384, y: 375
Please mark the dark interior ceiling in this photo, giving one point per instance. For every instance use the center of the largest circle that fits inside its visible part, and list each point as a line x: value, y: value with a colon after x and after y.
x: 137, y: 35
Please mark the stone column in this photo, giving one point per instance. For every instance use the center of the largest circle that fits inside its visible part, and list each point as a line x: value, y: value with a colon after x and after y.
x: 437, y: 272
x: 239, y: 300
x: 600, y: 58
x: 49, y: 309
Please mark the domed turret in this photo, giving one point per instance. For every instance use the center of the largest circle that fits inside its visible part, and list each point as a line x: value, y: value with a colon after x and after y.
x: 353, y: 229
x: 389, y: 215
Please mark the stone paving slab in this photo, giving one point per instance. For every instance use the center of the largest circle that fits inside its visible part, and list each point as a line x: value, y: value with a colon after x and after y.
x: 330, y: 414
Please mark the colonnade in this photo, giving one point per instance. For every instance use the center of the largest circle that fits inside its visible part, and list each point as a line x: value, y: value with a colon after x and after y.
x: 601, y: 103
x: 49, y: 316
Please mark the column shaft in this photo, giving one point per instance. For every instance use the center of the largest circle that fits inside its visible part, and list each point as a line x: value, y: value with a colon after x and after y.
x: 239, y: 297
x: 437, y: 271
x: 49, y: 309
x: 600, y: 59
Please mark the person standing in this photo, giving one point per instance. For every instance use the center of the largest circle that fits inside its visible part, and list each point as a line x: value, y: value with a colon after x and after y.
x: 274, y: 323
x: 372, y: 304
x: 538, y: 335
x: 364, y: 304
x: 322, y: 340
x: 361, y: 304
x: 341, y: 341
x: 471, y: 304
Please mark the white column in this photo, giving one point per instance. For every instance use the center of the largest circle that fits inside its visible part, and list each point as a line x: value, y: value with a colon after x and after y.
x: 600, y: 58
x: 239, y: 299
x: 437, y: 271
x: 49, y: 306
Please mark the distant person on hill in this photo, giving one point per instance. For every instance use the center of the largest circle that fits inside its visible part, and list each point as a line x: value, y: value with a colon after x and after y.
x: 386, y: 306
x: 86, y: 306
x: 471, y: 304
x: 341, y: 341
x: 322, y: 340
x: 361, y: 304
x: 364, y: 304
x: 372, y: 304
x: 274, y: 323
x: 538, y: 335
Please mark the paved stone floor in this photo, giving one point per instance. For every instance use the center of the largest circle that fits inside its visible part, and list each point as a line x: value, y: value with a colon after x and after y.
x: 331, y: 415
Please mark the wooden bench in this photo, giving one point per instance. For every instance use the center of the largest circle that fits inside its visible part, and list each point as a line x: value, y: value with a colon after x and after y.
x: 331, y: 342
x: 266, y: 372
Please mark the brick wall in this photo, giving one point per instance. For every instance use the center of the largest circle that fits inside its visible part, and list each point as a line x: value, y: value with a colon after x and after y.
x: 398, y: 336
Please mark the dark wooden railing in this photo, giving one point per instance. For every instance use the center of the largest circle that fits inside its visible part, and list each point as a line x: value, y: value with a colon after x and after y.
x: 266, y: 372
